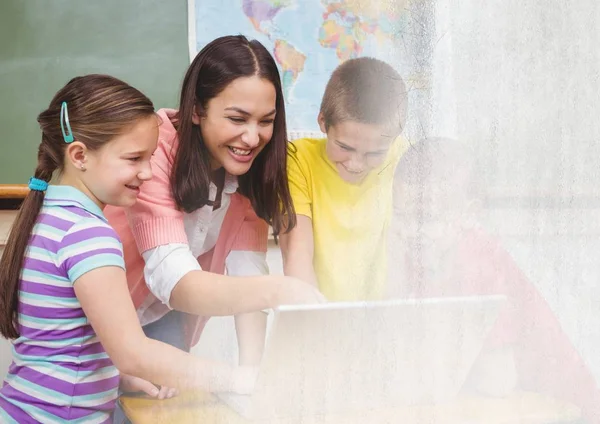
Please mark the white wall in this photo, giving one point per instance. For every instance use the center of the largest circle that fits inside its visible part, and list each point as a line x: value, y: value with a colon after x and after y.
x: 524, y: 79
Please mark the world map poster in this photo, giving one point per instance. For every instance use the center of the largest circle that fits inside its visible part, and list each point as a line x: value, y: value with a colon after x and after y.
x: 310, y: 38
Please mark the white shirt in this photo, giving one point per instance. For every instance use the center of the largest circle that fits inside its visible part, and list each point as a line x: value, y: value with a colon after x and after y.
x: 166, y: 265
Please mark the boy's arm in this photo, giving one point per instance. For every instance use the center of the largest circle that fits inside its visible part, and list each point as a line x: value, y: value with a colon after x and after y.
x: 297, y: 245
x: 297, y: 249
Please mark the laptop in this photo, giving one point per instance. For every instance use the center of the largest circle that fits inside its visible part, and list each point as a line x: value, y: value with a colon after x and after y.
x: 355, y: 356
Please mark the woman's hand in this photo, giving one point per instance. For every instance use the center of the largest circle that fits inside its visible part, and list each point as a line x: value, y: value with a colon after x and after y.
x: 294, y: 291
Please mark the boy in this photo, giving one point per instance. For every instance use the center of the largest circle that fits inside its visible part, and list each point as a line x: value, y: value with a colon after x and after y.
x: 341, y: 186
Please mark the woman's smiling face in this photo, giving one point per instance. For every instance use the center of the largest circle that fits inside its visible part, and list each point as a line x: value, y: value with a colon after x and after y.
x: 239, y: 123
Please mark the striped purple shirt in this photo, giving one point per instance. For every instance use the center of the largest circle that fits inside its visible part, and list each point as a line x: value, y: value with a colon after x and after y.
x: 60, y: 372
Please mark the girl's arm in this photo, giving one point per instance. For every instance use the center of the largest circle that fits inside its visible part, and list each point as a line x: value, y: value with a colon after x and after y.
x: 250, y: 327
x: 297, y: 249
x: 251, y: 332
x: 105, y: 299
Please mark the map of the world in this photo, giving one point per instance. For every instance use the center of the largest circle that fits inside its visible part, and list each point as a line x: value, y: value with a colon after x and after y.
x: 308, y: 39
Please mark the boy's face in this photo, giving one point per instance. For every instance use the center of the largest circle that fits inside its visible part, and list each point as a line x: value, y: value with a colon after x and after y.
x: 356, y: 148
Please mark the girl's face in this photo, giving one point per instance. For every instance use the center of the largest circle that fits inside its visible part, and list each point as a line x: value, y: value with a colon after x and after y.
x: 430, y: 215
x: 113, y: 174
x: 238, y: 123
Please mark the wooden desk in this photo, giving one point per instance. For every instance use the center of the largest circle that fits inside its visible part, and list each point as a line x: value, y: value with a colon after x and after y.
x: 13, y: 191
x: 519, y: 408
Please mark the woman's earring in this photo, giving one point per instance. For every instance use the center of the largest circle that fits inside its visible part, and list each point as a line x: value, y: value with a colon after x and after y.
x: 82, y: 167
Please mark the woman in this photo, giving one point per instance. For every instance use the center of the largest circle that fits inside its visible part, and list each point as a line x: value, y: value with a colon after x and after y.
x: 219, y: 179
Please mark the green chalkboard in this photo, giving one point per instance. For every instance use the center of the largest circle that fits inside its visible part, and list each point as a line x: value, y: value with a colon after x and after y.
x: 44, y: 43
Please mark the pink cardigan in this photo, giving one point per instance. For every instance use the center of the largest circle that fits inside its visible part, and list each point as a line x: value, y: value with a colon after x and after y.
x: 154, y: 220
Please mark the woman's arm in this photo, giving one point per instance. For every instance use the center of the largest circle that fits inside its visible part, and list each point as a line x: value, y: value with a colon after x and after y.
x: 297, y: 249
x: 105, y: 299
x: 174, y: 276
x: 206, y: 293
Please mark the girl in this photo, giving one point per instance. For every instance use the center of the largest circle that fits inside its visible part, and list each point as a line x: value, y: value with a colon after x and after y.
x: 63, y: 293
x: 219, y: 178
x: 439, y: 248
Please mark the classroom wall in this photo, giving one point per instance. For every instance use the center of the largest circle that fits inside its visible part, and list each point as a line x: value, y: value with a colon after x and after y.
x: 46, y: 43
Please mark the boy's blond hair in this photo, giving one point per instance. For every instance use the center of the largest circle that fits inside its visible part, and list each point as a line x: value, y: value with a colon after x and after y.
x: 368, y: 91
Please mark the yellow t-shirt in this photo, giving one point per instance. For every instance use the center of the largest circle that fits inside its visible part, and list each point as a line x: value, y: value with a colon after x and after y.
x: 349, y: 221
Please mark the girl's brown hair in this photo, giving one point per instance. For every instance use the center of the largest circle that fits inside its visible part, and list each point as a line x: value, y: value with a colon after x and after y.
x: 266, y: 185
x: 100, y: 108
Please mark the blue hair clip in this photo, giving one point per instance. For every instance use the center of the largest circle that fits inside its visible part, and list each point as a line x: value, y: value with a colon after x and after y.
x: 64, y: 117
x: 37, y: 185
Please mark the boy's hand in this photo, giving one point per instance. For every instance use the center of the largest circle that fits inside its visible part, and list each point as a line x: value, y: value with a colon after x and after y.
x: 131, y: 384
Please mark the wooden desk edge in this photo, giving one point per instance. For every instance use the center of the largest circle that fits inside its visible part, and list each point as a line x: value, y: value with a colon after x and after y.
x: 466, y: 409
x: 13, y: 191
